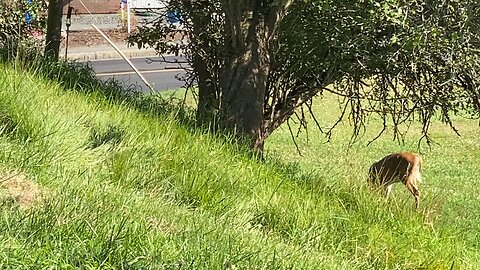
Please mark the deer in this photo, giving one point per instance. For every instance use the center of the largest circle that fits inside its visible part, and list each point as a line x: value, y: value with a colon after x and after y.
x: 402, y: 167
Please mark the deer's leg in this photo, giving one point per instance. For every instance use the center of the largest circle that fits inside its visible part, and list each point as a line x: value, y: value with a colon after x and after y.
x: 412, y: 187
x: 388, y: 191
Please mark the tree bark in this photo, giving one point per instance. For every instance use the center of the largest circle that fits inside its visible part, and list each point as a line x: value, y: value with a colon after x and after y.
x: 207, y: 92
x: 54, y: 29
x: 207, y: 99
x: 244, y: 78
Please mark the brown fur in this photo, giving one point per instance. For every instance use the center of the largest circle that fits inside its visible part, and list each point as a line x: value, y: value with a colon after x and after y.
x: 402, y: 167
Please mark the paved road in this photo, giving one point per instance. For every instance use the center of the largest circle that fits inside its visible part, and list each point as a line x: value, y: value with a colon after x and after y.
x: 161, y: 75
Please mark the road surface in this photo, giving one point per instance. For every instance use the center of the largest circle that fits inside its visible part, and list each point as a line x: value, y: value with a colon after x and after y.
x: 161, y: 75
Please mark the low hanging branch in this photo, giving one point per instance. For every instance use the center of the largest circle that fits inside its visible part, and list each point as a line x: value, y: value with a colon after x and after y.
x: 388, y: 70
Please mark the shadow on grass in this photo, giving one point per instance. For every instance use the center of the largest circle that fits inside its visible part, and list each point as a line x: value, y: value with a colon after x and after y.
x: 110, y: 134
x: 14, y: 127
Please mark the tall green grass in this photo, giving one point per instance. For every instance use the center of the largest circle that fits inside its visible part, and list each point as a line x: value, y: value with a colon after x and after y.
x: 126, y: 185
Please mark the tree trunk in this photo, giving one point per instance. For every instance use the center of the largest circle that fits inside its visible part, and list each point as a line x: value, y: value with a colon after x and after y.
x: 54, y: 29
x: 244, y: 79
x: 207, y: 100
x: 207, y: 92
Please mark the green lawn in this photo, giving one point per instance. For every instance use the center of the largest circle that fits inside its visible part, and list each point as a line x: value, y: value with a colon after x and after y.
x: 91, y: 182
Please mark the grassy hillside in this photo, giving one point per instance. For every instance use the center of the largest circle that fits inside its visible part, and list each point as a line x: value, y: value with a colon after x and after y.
x: 88, y: 181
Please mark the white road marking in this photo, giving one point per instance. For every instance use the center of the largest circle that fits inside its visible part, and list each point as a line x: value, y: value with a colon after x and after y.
x: 143, y: 72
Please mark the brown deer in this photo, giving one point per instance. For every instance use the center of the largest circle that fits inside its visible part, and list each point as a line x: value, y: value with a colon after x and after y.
x: 402, y: 167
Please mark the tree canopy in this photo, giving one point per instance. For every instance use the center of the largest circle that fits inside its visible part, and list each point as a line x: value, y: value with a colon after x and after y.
x: 402, y: 60
x: 257, y: 63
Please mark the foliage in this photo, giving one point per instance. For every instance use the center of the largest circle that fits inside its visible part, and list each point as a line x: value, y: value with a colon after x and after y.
x: 22, y: 25
x: 183, y: 37
x: 21, y: 18
x: 401, y: 60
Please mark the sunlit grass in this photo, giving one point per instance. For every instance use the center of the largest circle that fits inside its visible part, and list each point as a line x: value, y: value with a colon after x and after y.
x: 449, y: 191
x: 122, y: 188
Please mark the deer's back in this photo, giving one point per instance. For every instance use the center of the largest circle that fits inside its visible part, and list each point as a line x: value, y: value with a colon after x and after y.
x: 394, y: 167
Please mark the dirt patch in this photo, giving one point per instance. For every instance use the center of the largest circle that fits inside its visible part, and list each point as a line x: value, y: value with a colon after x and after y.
x: 17, y: 189
x: 89, y: 38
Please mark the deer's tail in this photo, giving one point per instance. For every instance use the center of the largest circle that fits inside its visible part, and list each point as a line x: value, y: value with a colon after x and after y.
x: 417, y: 168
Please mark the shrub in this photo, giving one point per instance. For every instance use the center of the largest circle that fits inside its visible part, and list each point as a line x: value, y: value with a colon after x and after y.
x: 22, y: 24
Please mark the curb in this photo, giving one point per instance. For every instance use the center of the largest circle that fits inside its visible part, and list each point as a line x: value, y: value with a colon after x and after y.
x: 99, y: 55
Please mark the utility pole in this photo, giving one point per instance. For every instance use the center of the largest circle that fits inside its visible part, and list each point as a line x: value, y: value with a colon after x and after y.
x: 54, y: 29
